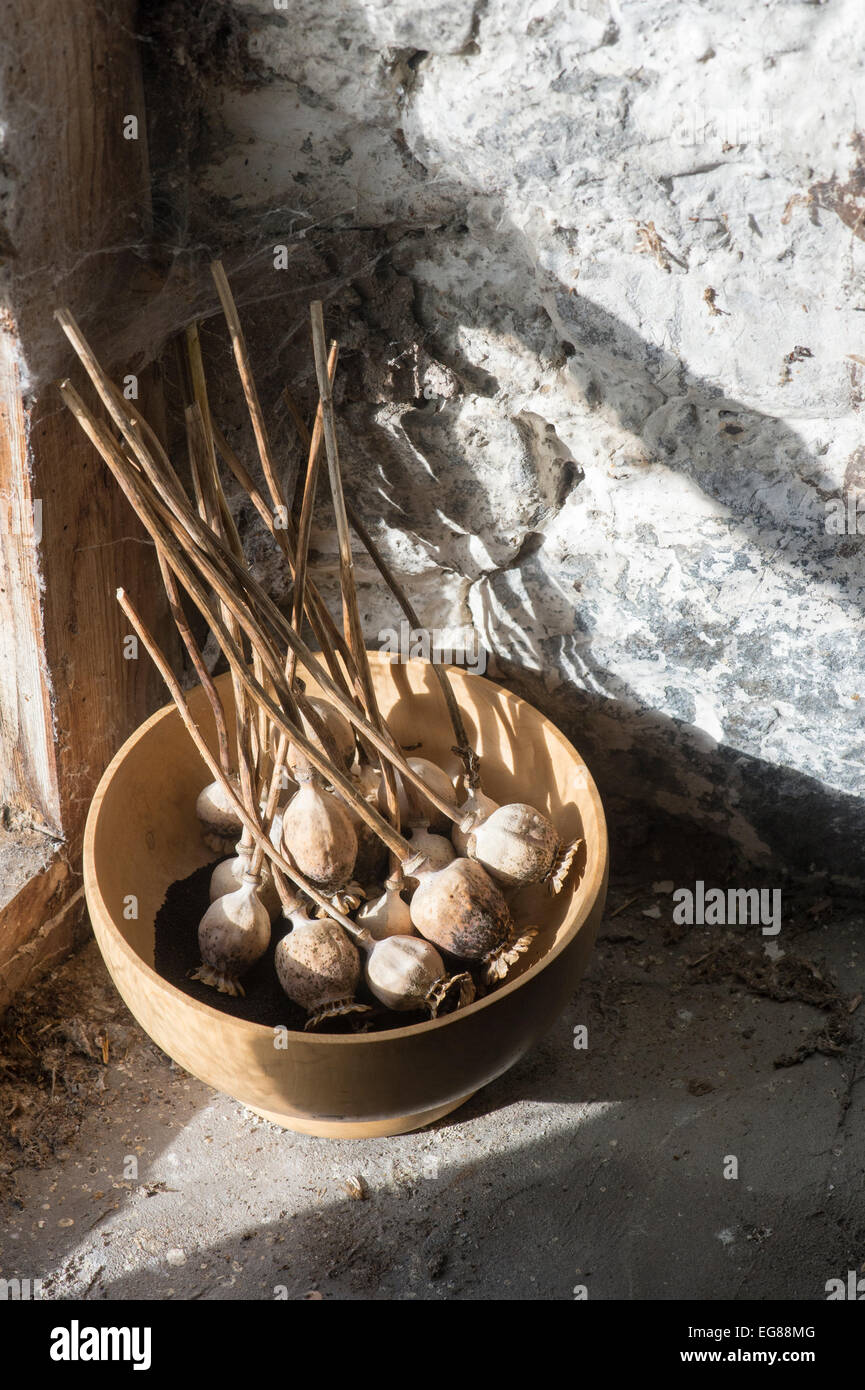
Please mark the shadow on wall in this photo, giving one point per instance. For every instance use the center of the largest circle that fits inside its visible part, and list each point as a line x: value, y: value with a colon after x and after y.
x: 651, y: 758
x: 649, y: 763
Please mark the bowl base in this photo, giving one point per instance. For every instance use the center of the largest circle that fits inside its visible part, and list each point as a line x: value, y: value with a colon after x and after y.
x: 361, y: 1129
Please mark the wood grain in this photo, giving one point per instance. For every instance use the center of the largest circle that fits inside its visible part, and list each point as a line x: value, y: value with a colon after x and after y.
x: 28, y: 780
x: 77, y: 224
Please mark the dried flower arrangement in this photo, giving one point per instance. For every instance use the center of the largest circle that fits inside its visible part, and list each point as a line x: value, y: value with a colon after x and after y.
x: 313, y: 811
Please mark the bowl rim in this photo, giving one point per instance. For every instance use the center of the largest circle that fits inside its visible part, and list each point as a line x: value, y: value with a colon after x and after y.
x: 98, y: 908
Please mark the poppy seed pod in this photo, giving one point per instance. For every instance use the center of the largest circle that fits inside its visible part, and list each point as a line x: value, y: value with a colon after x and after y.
x: 462, y: 911
x: 220, y: 823
x: 318, y: 834
x: 228, y: 876
x: 233, y: 934
x: 371, y: 858
x: 387, y: 915
x: 414, y: 807
x: 318, y: 968
x: 517, y: 845
x: 407, y: 973
x: 436, y: 851
x: 339, y: 729
x: 475, y: 809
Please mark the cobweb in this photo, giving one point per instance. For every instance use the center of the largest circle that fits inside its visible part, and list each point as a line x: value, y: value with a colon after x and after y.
x: 134, y: 295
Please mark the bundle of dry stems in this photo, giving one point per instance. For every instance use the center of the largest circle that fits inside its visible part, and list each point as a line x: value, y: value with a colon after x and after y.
x: 314, y: 795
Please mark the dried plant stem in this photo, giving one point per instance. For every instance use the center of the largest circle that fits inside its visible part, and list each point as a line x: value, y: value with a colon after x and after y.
x: 244, y: 369
x: 179, y: 615
x: 154, y: 518
x: 312, y: 443
x: 207, y: 486
x: 190, y: 529
x: 162, y: 523
x: 299, y: 564
x: 195, y: 656
x: 463, y: 748
x: 351, y: 612
x: 326, y: 633
x: 216, y: 512
x: 145, y: 432
x: 318, y: 614
x: 228, y: 576
x: 199, y: 386
x: 298, y: 603
x: 220, y: 519
x: 304, y: 525
x: 263, y: 844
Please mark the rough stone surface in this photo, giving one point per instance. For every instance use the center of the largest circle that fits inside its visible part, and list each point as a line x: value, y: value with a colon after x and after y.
x: 605, y: 1168
x: 599, y: 274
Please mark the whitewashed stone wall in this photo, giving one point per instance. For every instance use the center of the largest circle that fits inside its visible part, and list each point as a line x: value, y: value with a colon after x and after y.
x: 606, y: 369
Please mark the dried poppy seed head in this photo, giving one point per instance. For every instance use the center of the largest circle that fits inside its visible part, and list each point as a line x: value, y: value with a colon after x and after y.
x: 220, y: 823
x: 417, y: 809
x: 407, y: 973
x: 228, y: 876
x: 233, y: 934
x: 461, y: 909
x: 371, y: 851
x: 318, y: 834
x: 387, y: 915
x: 436, y: 852
x: 339, y: 729
x: 516, y: 844
x: 475, y: 809
x: 319, y: 968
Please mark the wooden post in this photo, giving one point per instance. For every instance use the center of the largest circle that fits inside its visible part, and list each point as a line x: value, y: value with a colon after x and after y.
x: 76, y: 232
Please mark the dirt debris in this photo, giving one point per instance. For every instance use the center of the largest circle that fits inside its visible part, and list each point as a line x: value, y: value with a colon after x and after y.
x: 785, y: 980
x: 55, y: 1041
x: 791, y: 979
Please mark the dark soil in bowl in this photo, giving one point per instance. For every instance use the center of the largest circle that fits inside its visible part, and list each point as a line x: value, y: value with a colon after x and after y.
x: 176, y: 956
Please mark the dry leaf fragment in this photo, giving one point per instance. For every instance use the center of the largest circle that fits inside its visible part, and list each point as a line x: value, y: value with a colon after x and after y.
x: 797, y: 200
x: 709, y: 298
x: 650, y: 242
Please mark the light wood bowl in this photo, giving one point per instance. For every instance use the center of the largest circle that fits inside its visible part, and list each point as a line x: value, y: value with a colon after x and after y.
x: 142, y: 835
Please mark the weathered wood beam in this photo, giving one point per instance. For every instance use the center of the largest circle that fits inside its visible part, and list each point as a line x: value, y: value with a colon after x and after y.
x: 75, y: 230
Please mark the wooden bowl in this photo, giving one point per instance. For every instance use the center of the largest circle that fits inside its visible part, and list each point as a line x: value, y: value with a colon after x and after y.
x: 142, y: 835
